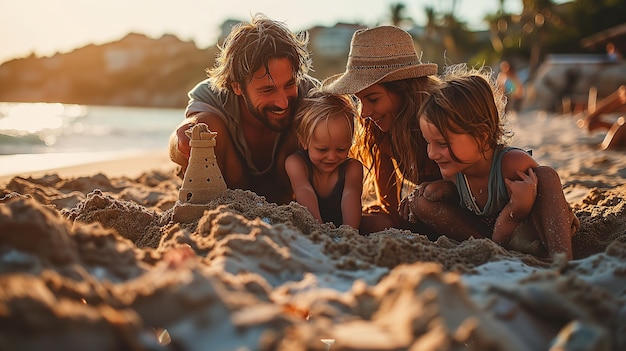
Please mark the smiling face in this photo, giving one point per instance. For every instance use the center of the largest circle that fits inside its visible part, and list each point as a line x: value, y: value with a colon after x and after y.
x: 271, y: 94
x: 330, y: 143
x: 463, y: 146
x: 380, y: 105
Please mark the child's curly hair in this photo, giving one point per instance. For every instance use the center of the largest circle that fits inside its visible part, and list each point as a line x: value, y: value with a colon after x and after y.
x: 468, y: 102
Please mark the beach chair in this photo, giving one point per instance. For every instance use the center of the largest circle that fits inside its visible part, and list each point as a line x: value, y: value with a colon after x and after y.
x: 573, y: 104
x: 592, y: 119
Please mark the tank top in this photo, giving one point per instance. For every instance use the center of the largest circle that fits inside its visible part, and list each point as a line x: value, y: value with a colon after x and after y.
x: 498, y: 196
x: 330, y: 207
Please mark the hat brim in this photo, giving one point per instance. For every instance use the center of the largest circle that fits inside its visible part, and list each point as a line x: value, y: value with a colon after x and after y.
x: 352, y: 82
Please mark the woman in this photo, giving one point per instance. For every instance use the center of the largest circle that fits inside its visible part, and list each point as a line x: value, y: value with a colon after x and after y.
x: 386, y: 75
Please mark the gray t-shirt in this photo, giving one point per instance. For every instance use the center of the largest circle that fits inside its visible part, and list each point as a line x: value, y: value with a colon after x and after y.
x: 203, y: 98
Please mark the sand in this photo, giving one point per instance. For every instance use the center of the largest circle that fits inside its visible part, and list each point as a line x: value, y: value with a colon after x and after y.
x: 109, y: 260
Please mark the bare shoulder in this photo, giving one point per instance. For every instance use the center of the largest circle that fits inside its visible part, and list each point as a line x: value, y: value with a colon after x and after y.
x: 294, y: 158
x: 355, y: 167
x: 294, y: 161
x: 354, y: 163
x: 516, y: 160
x: 297, y: 170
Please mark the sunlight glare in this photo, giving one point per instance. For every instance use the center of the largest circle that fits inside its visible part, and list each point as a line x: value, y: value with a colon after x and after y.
x: 23, y: 119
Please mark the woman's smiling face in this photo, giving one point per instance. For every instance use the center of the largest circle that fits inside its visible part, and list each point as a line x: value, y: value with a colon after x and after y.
x: 380, y: 105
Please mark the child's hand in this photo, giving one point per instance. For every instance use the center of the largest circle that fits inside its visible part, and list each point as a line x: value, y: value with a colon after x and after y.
x: 405, y: 209
x: 522, y: 193
x: 439, y: 190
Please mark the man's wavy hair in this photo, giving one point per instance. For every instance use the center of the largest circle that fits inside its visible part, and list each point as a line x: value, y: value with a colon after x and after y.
x: 250, y: 46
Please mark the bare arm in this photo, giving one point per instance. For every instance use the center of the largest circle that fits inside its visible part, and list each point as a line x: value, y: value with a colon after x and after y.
x: 441, y: 213
x: 302, y: 188
x: 522, y: 193
x: 438, y: 190
x: 387, y: 187
x: 521, y: 183
x: 228, y: 161
x: 179, y: 143
x: 552, y: 214
x: 352, y: 191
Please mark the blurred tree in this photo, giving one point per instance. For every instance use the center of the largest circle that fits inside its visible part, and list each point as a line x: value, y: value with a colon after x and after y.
x: 431, y: 21
x: 591, y: 16
x: 397, y: 15
x: 504, y: 31
x: 430, y: 38
x: 588, y: 17
x: 446, y: 36
x: 538, y: 16
x: 550, y: 28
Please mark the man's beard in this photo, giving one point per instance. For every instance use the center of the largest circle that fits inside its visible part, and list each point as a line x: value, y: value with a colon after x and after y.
x: 261, y: 115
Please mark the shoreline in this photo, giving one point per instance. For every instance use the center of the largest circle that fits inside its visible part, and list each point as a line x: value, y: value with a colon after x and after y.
x: 129, y: 164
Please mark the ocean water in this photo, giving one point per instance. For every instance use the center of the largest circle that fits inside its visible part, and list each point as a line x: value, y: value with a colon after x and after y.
x: 36, y: 136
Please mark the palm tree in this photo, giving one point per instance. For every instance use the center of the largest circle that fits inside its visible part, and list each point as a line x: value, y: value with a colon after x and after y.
x: 396, y: 14
x: 431, y: 21
x: 447, y: 34
x: 499, y: 25
x: 536, y: 15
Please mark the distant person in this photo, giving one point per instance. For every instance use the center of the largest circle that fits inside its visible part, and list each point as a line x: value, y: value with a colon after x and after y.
x: 324, y: 179
x: 510, y: 83
x: 489, y: 189
x: 612, y: 54
x: 385, y: 73
x: 250, y: 99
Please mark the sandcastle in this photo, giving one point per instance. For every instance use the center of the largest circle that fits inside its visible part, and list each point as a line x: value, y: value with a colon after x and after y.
x: 203, y: 179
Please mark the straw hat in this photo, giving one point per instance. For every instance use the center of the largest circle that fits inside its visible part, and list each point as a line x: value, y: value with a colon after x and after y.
x: 379, y: 54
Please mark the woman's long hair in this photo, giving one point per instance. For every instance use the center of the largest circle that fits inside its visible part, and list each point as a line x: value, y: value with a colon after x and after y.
x: 407, y: 143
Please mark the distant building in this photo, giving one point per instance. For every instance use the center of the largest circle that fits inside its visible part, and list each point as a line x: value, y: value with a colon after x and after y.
x: 332, y: 41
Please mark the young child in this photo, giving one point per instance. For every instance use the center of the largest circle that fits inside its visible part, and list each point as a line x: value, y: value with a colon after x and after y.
x: 489, y: 189
x: 323, y: 178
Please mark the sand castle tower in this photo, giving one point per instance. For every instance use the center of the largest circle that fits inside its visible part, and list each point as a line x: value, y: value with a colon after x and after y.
x: 203, y: 179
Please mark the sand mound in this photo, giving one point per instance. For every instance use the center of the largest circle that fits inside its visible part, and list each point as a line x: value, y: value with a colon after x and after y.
x: 101, y: 264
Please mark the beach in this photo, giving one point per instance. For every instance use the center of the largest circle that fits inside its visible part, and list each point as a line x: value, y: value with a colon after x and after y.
x: 102, y: 256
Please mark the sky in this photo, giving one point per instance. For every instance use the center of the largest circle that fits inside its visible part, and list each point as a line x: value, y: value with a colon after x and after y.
x: 45, y: 27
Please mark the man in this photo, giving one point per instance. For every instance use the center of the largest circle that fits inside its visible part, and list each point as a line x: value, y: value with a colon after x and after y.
x: 250, y: 99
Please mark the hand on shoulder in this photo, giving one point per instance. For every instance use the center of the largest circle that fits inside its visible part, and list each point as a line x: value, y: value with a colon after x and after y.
x: 516, y: 160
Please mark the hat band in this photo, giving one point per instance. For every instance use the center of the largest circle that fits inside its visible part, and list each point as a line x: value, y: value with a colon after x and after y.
x: 384, y: 61
x: 387, y: 66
